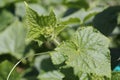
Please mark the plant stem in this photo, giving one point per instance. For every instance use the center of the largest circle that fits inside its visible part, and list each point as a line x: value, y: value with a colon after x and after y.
x: 56, y: 42
x: 43, y: 53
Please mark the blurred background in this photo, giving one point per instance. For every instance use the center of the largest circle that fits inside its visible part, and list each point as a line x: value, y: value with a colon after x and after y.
x: 104, y: 15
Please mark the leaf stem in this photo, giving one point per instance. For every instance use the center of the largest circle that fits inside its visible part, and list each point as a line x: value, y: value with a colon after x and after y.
x: 43, y: 53
x: 56, y: 41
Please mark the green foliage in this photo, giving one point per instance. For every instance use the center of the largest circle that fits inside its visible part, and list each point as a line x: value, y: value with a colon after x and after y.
x: 5, y: 67
x: 41, y: 27
x: 77, y: 3
x: 81, y: 16
x: 12, y: 40
x: 5, y: 2
x: 115, y: 75
x: 42, y: 63
x: 59, y: 44
x: 84, y: 52
x: 5, y: 18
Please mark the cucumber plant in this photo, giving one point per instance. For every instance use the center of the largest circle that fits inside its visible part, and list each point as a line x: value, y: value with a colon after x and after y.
x: 85, y: 56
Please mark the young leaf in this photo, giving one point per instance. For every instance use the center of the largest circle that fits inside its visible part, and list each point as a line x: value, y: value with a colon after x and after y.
x: 41, y: 27
x: 51, y: 75
x: 87, y: 52
x: 12, y: 40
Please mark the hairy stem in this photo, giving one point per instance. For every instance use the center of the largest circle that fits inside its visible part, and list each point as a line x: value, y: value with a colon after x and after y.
x: 56, y: 42
x: 43, y: 53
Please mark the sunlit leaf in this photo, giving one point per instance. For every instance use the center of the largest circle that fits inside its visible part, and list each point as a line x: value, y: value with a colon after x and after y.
x: 87, y: 52
x: 41, y: 27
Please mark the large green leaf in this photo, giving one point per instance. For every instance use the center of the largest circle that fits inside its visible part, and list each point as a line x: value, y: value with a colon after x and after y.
x: 5, y: 68
x: 115, y: 76
x: 86, y: 76
x: 12, y: 40
x: 51, y: 75
x: 41, y: 27
x: 87, y: 52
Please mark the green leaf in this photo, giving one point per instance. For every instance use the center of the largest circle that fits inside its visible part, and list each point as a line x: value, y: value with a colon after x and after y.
x: 41, y: 27
x: 67, y: 33
x: 12, y: 40
x: 67, y: 21
x: 57, y: 57
x: 77, y: 4
x: 87, y: 17
x: 51, y: 75
x: 37, y: 24
x: 6, y: 18
x: 81, y: 16
x: 87, y: 52
x: 85, y: 76
x: 115, y: 76
x: 5, y: 68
